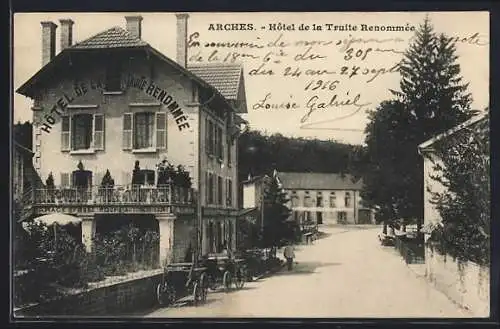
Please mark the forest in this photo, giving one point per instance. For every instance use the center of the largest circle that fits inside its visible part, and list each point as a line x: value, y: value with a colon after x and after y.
x: 260, y: 154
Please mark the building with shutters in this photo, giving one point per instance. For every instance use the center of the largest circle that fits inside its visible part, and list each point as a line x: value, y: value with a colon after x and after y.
x: 325, y: 198
x: 114, y: 103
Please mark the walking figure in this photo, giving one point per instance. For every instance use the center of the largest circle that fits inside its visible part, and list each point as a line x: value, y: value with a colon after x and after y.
x: 289, y: 254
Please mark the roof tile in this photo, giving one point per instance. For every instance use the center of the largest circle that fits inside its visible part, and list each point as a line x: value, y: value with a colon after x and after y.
x: 318, y: 181
x: 224, y: 77
x: 115, y: 37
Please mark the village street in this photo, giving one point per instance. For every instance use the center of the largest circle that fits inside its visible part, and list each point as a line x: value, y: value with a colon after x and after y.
x: 345, y: 274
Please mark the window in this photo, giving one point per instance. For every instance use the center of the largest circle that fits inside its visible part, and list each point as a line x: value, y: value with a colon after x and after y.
x: 144, y: 130
x: 220, y: 144
x: 341, y: 217
x: 319, y: 200
x: 333, y: 200
x: 347, y: 199
x: 209, y: 137
x: 82, y: 178
x: 214, y: 140
x: 295, y: 199
x: 210, y: 188
x: 307, y: 200
x: 229, y: 192
x: 220, y: 191
x: 229, y: 149
x: 113, y: 76
x: 82, y: 131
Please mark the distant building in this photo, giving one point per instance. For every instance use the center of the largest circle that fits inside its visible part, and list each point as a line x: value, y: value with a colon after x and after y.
x: 325, y: 198
x: 253, y: 198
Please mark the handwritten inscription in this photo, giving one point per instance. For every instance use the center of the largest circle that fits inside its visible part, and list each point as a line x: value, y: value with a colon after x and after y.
x: 335, y: 73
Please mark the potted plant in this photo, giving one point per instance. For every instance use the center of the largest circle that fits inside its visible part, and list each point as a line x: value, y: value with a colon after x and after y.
x: 107, y: 185
x: 49, y: 183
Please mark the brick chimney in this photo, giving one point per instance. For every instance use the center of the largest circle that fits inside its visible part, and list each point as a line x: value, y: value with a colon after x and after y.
x: 66, y: 33
x: 134, y: 25
x: 48, y: 41
x: 182, y: 20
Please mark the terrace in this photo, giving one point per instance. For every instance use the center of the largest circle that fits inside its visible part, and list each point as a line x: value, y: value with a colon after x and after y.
x: 116, y: 199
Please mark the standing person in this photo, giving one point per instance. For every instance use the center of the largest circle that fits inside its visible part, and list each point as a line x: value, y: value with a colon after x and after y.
x: 289, y: 254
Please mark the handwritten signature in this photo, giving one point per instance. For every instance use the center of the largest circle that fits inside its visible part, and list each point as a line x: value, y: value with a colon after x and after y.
x: 314, y: 104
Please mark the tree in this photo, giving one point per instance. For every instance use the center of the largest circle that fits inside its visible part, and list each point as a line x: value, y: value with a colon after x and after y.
x: 107, y: 180
x: 464, y: 205
x: 276, y: 213
x: 432, y: 98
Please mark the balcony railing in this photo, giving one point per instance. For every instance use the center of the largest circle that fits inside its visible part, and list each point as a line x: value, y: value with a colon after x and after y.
x: 96, y: 195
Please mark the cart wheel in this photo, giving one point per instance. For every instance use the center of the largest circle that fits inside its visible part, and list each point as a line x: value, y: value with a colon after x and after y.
x: 204, y: 287
x: 198, y: 293
x: 226, y: 281
x: 165, y: 294
x: 240, y: 279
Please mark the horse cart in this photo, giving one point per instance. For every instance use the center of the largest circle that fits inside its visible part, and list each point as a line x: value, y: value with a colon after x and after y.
x: 224, y: 271
x: 182, y: 281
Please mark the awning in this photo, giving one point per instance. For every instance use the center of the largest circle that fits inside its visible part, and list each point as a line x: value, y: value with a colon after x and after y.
x: 54, y: 219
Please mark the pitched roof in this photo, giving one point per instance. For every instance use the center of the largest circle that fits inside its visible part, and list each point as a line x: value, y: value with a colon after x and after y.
x: 224, y: 77
x: 114, y: 37
x: 428, y: 143
x: 117, y: 37
x: 318, y: 181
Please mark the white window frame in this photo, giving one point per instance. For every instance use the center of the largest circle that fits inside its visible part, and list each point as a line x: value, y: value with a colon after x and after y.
x: 155, y: 131
x: 69, y: 134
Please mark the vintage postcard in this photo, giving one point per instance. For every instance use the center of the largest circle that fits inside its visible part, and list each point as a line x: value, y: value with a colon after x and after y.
x: 251, y: 165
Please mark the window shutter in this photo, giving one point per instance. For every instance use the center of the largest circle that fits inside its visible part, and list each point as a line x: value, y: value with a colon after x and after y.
x: 127, y: 131
x: 98, y: 131
x: 207, y: 188
x: 65, y: 133
x: 161, y: 130
x: 207, y: 140
x: 65, y: 180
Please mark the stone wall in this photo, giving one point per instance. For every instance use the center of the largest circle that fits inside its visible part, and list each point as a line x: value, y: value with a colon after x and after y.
x: 122, y: 298
x: 466, y: 283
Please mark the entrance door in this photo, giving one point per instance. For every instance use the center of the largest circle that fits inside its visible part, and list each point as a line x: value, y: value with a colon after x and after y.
x: 319, y: 217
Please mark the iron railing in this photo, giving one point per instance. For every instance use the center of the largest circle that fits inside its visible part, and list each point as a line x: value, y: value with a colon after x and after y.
x: 412, y: 250
x: 96, y: 195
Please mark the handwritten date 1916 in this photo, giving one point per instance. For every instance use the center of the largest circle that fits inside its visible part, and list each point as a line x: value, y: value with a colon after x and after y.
x: 314, y: 103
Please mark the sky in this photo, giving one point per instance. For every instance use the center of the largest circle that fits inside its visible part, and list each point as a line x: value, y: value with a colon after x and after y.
x: 314, y: 83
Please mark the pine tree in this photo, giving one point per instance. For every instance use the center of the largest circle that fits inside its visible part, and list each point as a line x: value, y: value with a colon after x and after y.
x: 432, y: 98
x: 276, y: 214
x: 464, y: 205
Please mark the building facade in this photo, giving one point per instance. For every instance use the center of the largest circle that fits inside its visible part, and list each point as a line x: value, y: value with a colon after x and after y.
x: 324, y: 198
x: 432, y: 162
x: 253, y: 197
x: 114, y: 103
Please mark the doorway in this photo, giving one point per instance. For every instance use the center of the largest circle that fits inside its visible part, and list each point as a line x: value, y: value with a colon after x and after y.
x: 319, y: 217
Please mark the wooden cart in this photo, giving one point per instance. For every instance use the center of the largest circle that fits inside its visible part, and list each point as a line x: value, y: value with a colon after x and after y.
x: 182, y: 281
x: 224, y: 271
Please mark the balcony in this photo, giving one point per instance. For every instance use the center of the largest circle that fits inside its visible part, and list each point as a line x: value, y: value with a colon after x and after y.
x: 118, y: 199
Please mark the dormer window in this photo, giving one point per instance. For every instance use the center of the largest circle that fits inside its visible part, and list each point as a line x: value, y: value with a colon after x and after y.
x: 113, y: 76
